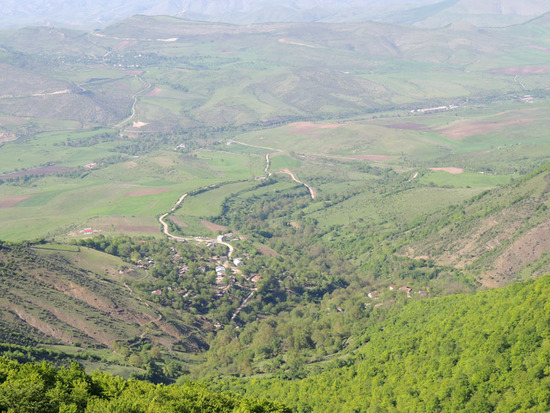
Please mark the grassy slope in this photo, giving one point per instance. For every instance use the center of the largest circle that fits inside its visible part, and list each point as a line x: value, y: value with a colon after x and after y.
x: 81, y: 297
x: 496, y: 234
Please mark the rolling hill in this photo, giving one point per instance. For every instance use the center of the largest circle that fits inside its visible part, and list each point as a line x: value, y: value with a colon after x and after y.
x: 66, y: 296
x: 143, y: 69
x: 501, y: 235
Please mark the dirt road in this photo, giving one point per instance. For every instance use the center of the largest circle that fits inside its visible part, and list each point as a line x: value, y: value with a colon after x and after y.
x: 166, y: 230
x: 291, y: 174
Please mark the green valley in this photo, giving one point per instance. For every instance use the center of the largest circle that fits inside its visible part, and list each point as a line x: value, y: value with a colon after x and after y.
x: 333, y: 216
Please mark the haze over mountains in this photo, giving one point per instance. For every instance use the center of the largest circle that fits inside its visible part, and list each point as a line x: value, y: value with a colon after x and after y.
x: 423, y: 13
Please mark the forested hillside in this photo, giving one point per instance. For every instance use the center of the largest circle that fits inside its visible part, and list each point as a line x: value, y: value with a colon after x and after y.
x: 485, y: 352
x: 44, y: 388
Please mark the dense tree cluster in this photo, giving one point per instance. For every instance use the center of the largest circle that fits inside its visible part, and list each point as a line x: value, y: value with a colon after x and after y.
x: 484, y: 352
x: 44, y: 388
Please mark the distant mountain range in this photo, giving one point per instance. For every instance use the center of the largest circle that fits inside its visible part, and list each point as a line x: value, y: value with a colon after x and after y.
x: 424, y: 13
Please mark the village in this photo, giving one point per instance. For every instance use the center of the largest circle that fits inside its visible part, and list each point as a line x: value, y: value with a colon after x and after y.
x: 224, y: 273
x: 208, y: 276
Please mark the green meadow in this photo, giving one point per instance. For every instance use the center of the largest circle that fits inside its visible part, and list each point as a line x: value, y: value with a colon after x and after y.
x: 337, y: 115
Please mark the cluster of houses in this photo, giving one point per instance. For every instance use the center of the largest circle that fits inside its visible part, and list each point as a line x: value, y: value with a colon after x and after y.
x: 435, y: 109
x: 226, y: 238
x: 220, y: 264
x: 146, y: 263
x: 375, y: 295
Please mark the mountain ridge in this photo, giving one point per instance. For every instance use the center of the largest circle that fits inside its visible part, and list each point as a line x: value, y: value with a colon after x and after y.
x: 428, y: 13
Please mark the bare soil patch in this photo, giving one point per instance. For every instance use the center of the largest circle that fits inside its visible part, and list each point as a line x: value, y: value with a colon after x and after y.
x: 285, y: 41
x: 130, y: 164
x: 7, y: 137
x: 544, y: 49
x: 526, y: 249
x: 267, y: 251
x: 143, y: 192
x: 408, y: 126
x: 465, y: 129
x: 451, y: 170
x: 178, y: 222
x: 525, y: 70
x: 139, y: 124
x: 11, y: 201
x: 307, y: 128
x: 40, y: 325
x: 213, y: 227
x: 47, y: 170
x: 154, y: 92
x: 124, y: 44
x: 90, y: 329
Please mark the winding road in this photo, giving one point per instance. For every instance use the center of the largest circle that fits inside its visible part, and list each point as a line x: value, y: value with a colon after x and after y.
x: 135, y: 97
x: 166, y: 230
x: 291, y: 174
x: 311, y: 190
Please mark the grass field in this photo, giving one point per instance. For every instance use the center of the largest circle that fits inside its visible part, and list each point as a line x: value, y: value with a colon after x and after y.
x: 326, y: 113
x: 209, y: 203
x: 136, y: 189
x: 392, y: 210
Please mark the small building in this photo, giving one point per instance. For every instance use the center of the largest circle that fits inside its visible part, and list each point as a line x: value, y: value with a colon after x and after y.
x: 238, y: 262
x: 256, y: 278
x: 221, y: 238
x: 406, y: 289
x: 392, y: 287
x: 220, y: 270
x: 156, y: 292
